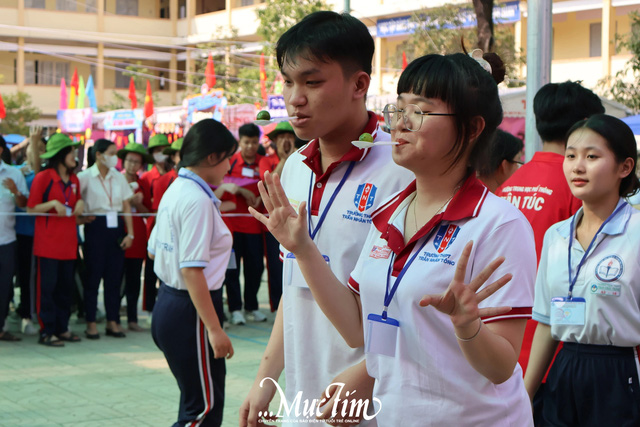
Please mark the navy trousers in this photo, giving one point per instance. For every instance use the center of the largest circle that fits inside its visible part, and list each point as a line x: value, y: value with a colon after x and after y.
x: 24, y: 276
x: 248, y: 248
x: 182, y: 337
x: 7, y: 269
x: 274, y: 270
x: 54, y: 285
x: 104, y: 260
x: 131, y: 289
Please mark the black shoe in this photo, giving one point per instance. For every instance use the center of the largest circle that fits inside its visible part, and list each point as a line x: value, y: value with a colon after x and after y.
x: 91, y: 336
x: 111, y: 333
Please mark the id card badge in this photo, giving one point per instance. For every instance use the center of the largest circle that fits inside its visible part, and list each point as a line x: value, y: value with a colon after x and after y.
x: 565, y: 311
x: 292, y: 273
x: 232, y: 261
x: 68, y: 210
x: 248, y: 172
x: 382, y: 335
x: 112, y: 219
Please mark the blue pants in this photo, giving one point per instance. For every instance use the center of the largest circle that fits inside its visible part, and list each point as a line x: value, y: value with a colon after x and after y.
x: 104, y: 260
x: 54, y: 283
x: 132, y: 271
x: 182, y: 337
x: 593, y: 385
x: 7, y: 269
x: 250, y: 249
x: 274, y: 269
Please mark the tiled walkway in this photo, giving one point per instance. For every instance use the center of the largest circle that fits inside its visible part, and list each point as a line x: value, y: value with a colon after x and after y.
x: 112, y: 382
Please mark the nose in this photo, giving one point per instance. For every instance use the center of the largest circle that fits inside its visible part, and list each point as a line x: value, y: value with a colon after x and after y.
x: 295, y: 95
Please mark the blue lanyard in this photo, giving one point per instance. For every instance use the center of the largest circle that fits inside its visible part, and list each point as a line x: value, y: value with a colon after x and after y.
x: 64, y: 188
x: 323, y: 215
x: 572, y: 281
x: 202, y: 187
x: 388, y: 296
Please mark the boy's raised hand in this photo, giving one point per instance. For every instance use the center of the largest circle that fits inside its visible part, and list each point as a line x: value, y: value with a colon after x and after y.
x: 287, y: 226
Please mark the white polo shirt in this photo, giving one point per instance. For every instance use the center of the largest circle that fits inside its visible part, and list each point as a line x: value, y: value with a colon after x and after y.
x: 314, y: 351
x: 189, y: 232
x: 103, y: 195
x: 609, y: 281
x: 429, y: 382
x: 8, y: 203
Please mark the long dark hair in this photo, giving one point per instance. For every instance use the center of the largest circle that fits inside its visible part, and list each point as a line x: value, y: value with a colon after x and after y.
x: 204, y: 138
x: 59, y: 157
x: 100, y: 146
x: 620, y: 140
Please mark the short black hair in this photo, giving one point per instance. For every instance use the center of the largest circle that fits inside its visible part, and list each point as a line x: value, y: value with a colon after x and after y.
x: 100, y: 146
x: 503, y: 147
x: 467, y: 88
x: 328, y: 36
x: 6, y: 154
x: 621, y: 142
x: 206, y: 137
x: 249, y: 130
x: 558, y: 106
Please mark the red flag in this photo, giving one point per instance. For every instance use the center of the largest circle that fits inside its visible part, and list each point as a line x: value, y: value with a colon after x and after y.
x: 148, y: 102
x: 132, y: 94
x: 263, y: 78
x: 3, y: 111
x: 210, y: 73
x: 74, y: 80
x: 404, y: 60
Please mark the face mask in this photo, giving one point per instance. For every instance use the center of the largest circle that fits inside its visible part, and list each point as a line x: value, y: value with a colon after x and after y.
x: 159, y: 157
x: 110, y: 161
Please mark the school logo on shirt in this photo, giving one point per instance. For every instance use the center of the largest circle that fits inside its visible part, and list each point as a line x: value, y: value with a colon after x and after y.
x: 365, y: 196
x: 609, y: 269
x: 380, y: 252
x: 445, y: 236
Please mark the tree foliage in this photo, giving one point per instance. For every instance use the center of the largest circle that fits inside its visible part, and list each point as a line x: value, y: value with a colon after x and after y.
x: 279, y: 15
x: 20, y: 112
x: 623, y: 86
x: 119, y: 101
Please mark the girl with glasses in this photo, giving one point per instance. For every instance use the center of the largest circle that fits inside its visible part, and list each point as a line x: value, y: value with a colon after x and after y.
x: 444, y: 284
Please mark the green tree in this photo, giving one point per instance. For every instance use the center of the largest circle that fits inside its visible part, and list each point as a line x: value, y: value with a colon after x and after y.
x: 279, y: 15
x: 623, y: 86
x: 137, y: 71
x: 20, y: 112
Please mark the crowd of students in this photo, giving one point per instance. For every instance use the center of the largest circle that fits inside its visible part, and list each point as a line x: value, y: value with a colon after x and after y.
x: 404, y: 278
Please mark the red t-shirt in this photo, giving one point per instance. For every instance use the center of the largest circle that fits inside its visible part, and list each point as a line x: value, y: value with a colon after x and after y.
x: 250, y: 172
x: 138, y: 249
x: 540, y: 190
x: 146, y: 182
x: 160, y: 185
x: 55, y: 237
x: 268, y: 163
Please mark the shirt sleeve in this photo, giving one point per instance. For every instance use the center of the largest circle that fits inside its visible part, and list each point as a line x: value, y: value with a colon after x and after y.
x: 196, y: 232
x: 75, y: 180
x: 21, y: 184
x: 83, y: 178
x: 356, y: 275
x: 541, y: 304
x: 37, y: 191
x: 151, y: 243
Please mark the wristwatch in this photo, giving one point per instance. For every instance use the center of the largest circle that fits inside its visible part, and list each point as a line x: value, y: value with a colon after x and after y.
x: 130, y: 236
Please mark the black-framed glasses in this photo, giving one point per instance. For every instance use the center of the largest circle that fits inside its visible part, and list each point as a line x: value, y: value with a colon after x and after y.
x: 411, y: 115
x: 519, y: 163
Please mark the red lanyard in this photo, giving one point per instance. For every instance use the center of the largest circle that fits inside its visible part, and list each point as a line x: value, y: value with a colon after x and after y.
x: 107, y: 192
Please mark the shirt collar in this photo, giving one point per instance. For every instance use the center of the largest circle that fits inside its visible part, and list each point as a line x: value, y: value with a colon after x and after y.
x: 186, y: 173
x: 3, y: 165
x: 616, y: 226
x: 312, y: 150
x: 96, y: 172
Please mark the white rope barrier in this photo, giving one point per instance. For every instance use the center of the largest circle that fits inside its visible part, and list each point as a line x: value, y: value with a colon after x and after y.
x: 227, y: 215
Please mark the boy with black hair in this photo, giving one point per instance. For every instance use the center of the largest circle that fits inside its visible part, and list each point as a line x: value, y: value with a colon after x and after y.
x: 325, y: 60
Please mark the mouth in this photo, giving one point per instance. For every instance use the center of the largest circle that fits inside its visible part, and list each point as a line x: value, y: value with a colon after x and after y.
x: 300, y: 120
x: 579, y: 182
x: 401, y: 142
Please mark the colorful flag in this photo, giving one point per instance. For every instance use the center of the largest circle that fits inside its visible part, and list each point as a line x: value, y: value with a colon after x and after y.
x: 3, y: 111
x: 210, y: 73
x: 263, y: 78
x: 91, y: 94
x: 74, y: 80
x: 148, y: 102
x: 404, y: 60
x: 81, y: 93
x: 63, y: 94
x: 72, y: 98
x: 132, y: 94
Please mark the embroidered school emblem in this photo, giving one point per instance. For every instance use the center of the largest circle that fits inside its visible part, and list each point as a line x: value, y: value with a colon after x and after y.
x: 365, y: 196
x: 609, y: 269
x: 380, y: 252
x: 445, y: 236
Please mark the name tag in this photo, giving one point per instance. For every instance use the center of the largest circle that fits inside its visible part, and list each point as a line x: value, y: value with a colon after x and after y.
x: 112, y: 219
x: 248, y: 172
x: 606, y: 289
x: 566, y: 311
x: 68, y: 210
x: 232, y: 261
x: 292, y: 275
x: 382, y: 335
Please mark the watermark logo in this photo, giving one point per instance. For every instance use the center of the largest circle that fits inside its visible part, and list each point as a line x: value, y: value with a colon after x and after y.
x: 343, y: 408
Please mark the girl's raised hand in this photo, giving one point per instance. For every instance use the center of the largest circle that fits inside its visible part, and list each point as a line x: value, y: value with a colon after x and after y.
x: 287, y: 226
x: 460, y: 300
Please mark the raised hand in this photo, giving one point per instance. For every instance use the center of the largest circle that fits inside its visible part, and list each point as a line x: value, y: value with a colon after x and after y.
x: 287, y: 226
x: 460, y: 300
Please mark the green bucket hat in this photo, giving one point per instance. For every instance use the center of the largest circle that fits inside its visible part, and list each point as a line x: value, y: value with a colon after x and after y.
x: 158, y: 140
x: 280, y: 128
x: 56, y: 143
x: 134, y: 147
x: 175, y: 147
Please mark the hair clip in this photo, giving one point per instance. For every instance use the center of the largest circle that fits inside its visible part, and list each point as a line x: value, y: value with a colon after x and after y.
x: 477, y: 55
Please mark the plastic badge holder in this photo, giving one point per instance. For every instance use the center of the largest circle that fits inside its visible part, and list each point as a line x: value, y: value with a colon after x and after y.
x: 566, y: 311
x: 382, y: 335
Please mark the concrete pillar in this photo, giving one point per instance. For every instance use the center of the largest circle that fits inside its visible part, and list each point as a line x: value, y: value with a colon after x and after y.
x: 173, y: 76
x: 99, y: 88
x: 608, y: 36
x: 20, y: 64
x: 173, y: 15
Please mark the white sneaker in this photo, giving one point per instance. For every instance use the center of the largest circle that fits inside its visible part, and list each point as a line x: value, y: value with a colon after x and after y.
x: 237, y: 318
x: 258, y: 316
x: 28, y: 328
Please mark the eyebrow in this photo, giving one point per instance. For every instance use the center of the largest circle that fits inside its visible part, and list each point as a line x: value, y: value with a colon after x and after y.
x: 418, y: 99
x: 303, y: 73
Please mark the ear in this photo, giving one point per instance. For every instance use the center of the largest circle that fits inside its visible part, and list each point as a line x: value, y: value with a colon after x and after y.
x: 476, y: 126
x: 361, y: 81
x: 501, y: 172
x: 626, y: 167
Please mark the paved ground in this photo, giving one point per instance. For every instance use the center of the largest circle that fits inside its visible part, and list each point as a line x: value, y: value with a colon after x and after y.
x: 112, y: 382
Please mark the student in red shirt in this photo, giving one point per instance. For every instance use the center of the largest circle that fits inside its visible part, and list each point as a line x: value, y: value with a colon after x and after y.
x: 56, y: 190
x: 247, y: 232
x: 157, y: 144
x: 133, y: 157
x: 161, y: 184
